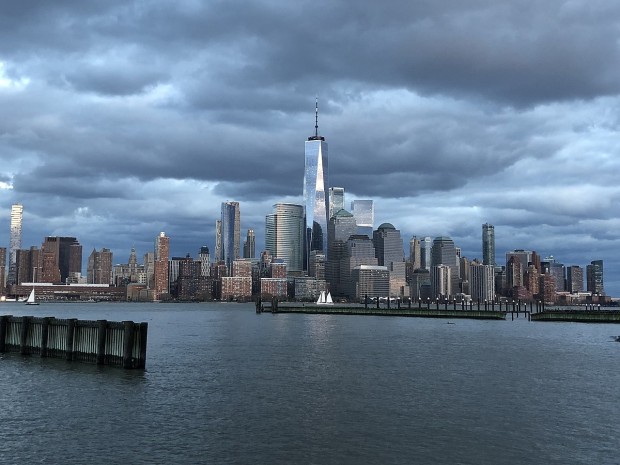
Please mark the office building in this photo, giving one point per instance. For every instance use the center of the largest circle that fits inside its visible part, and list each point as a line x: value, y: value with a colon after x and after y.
x: 218, y: 257
x: 99, y: 267
x: 594, y: 277
x: 415, y: 253
x: 574, y: 279
x: 443, y: 252
x: 364, y: 213
x: 230, y: 233
x: 2, y: 269
x: 488, y: 244
x: 370, y: 281
x: 441, y: 281
x: 426, y: 246
x: 205, y: 261
x: 420, y: 284
x: 389, y: 252
x: 315, y: 193
x: 62, y: 258
x: 482, y: 282
x: 284, y: 235
x: 341, y: 227
x: 336, y: 200
x: 525, y: 258
x: 15, y: 239
x: 249, y: 245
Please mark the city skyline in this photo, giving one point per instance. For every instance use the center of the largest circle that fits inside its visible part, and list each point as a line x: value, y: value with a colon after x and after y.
x: 149, y: 123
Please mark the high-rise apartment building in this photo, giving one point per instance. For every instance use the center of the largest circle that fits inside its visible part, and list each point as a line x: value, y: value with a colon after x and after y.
x: 161, y: 266
x: 218, y: 256
x: 364, y: 213
x: 336, y: 200
x: 316, y: 195
x: 594, y: 277
x: 284, y: 235
x: 205, y: 261
x: 488, y: 244
x: 15, y: 239
x: 99, y: 267
x: 525, y: 258
x: 231, y: 233
x: 249, y: 245
x: 441, y: 281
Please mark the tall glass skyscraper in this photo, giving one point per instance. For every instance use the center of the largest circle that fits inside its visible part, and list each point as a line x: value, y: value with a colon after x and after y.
x: 231, y: 233
x: 488, y: 244
x: 364, y: 213
x: 284, y: 235
x: 336, y: 200
x: 15, y: 240
x: 316, y: 196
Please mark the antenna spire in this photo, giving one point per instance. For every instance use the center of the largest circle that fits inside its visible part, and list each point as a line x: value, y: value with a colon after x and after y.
x: 316, y: 117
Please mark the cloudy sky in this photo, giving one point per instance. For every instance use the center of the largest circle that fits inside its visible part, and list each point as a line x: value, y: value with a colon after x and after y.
x: 121, y: 119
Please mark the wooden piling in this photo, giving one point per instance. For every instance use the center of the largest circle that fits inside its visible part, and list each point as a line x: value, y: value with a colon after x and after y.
x: 23, y: 340
x: 128, y: 341
x: 3, y: 325
x: 45, y: 326
x: 101, y: 334
x: 69, y: 341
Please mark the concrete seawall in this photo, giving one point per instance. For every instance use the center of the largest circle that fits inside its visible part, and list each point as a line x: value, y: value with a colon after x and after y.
x: 578, y: 316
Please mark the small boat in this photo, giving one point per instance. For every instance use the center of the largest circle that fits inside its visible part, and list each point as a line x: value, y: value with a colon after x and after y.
x: 325, y: 299
x: 31, y: 299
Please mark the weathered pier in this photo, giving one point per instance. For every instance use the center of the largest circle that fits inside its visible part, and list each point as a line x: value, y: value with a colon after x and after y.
x: 578, y: 316
x: 120, y: 344
x: 360, y: 309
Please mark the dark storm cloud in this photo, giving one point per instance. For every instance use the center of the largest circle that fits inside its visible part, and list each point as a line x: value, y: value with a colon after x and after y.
x: 449, y: 114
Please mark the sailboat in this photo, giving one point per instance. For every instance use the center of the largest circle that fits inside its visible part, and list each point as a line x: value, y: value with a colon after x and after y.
x: 31, y: 299
x: 325, y: 299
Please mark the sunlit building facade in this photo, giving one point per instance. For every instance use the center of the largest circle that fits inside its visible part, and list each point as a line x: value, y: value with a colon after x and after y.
x: 15, y: 239
x: 284, y: 235
x: 364, y: 213
x: 316, y: 195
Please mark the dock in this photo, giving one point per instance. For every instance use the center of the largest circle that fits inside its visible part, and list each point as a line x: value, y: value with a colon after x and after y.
x: 119, y: 344
x: 276, y: 307
x: 578, y: 316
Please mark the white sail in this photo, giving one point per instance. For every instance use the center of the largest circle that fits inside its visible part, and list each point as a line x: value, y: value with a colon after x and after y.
x: 31, y: 299
x: 328, y: 299
x: 321, y: 299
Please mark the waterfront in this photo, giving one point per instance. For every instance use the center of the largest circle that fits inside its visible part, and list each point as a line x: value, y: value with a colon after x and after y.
x: 224, y: 385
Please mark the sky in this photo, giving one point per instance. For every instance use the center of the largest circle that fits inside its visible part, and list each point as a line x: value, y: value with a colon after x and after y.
x: 121, y: 119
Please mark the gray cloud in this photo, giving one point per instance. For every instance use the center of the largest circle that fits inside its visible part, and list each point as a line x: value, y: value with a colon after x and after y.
x: 121, y: 119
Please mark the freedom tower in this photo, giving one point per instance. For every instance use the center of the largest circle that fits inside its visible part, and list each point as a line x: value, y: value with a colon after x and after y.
x: 316, y: 201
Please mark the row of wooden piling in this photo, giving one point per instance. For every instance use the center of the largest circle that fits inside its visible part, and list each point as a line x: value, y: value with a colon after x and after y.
x: 121, y: 344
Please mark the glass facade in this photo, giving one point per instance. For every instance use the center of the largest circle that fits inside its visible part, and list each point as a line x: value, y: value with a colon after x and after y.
x: 284, y: 235
x: 231, y: 233
x: 364, y: 213
x: 336, y: 200
x: 316, y: 197
x: 488, y: 244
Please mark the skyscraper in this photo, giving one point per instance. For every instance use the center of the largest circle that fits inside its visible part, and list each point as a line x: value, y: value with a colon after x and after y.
x: 414, y: 253
x: 15, y: 239
x: 62, y: 258
x: 390, y: 253
x: 482, y: 282
x: 231, y: 233
x: 364, y: 213
x: 341, y: 227
x: 594, y: 277
x: 284, y: 235
x: 443, y: 252
x: 426, y: 246
x: 336, y: 200
x: 574, y: 279
x: 488, y: 244
x: 316, y: 197
x: 162, y: 255
x: 99, y: 268
x: 249, y: 245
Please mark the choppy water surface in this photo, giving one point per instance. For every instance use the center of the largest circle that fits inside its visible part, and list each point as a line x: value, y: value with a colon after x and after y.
x: 224, y: 385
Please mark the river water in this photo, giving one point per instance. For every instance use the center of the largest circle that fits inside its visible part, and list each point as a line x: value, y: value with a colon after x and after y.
x: 225, y: 385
